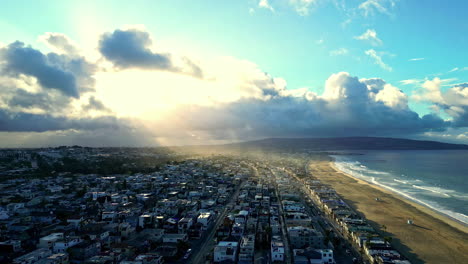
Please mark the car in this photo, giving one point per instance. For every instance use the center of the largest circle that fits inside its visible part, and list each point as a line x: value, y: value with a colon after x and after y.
x: 188, y: 253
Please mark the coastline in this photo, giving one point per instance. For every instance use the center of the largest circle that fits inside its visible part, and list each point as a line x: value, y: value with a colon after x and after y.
x: 433, y: 238
x: 434, y: 213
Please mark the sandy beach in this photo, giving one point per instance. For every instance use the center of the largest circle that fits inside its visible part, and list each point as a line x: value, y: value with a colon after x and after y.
x: 432, y: 239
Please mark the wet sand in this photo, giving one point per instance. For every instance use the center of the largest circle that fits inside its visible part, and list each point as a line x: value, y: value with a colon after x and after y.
x: 433, y: 238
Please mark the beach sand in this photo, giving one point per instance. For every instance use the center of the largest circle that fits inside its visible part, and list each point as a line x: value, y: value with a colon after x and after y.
x: 432, y: 238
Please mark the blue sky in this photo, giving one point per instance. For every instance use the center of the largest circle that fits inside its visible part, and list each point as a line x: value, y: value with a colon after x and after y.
x: 303, y: 42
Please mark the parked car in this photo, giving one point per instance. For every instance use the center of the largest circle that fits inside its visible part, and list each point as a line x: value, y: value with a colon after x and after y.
x: 188, y: 253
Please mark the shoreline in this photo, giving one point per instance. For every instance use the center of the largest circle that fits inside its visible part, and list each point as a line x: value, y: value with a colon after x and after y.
x: 432, y: 238
x: 453, y: 222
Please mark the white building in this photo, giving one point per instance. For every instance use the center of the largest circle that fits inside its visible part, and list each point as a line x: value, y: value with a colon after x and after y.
x: 61, y: 246
x: 205, y: 219
x: 48, y: 241
x: 277, y: 249
x: 326, y: 257
x: 247, y: 249
x: 302, y: 237
x: 174, y: 238
x: 184, y: 224
x: 225, y: 251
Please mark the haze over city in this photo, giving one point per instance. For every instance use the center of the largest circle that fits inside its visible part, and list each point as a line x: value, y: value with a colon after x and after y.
x: 151, y: 73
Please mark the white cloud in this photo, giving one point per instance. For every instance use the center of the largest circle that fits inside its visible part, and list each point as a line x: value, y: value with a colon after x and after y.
x: 371, y: 7
x: 371, y: 36
x: 234, y: 100
x: 454, y: 101
x: 378, y: 59
x: 302, y: 7
x: 411, y: 81
x: 338, y: 52
x: 416, y: 59
x: 265, y: 4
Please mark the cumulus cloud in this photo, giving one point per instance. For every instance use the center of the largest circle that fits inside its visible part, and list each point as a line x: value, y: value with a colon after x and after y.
x: 131, y: 48
x: 454, y: 101
x: 26, y: 60
x: 371, y: 36
x: 347, y: 107
x: 378, y: 59
x: 238, y: 102
x: 59, y: 43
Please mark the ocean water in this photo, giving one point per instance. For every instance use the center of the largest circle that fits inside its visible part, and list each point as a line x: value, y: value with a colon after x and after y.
x: 436, y: 179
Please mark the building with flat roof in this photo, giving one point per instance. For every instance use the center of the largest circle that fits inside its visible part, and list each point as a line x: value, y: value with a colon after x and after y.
x: 225, y: 251
x: 247, y: 249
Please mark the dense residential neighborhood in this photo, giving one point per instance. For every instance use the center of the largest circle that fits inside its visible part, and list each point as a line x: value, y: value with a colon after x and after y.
x: 185, y: 209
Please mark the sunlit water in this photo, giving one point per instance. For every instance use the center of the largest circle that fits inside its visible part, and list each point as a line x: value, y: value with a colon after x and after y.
x: 436, y: 179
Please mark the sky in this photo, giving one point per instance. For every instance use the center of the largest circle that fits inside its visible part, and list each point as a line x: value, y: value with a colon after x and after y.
x: 150, y: 73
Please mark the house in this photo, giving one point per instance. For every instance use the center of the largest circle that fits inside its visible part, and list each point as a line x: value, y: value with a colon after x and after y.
x: 145, y: 220
x: 84, y: 250
x: 33, y: 257
x: 225, y: 251
x: 205, y: 219
x: 10, y: 246
x: 149, y: 258
x: 247, y: 249
x: 313, y: 256
x: 324, y: 256
x: 75, y: 221
x: 302, y: 237
x: 61, y: 246
x: 58, y: 258
x: 174, y: 238
x: 277, y: 249
x: 184, y: 224
x: 49, y: 240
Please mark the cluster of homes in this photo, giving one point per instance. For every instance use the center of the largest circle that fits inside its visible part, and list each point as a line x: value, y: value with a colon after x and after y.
x: 148, y: 218
x: 269, y: 221
x: 376, y: 248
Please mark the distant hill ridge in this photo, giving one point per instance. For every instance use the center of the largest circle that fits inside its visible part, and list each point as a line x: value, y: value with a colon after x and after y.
x: 347, y: 143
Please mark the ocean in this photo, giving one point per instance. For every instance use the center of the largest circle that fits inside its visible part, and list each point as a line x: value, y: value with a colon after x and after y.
x: 437, y: 179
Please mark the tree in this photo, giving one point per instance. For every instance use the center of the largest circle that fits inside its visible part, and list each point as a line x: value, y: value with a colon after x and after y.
x: 384, y: 228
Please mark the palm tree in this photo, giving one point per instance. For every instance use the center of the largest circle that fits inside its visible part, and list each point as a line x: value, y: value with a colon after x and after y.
x: 384, y: 227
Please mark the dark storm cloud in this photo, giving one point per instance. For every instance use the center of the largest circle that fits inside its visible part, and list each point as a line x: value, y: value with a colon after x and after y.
x: 131, y: 49
x: 26, y: 60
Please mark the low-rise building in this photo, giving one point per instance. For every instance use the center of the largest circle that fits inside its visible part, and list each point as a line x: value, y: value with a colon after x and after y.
x: 277, y: 249
x: 247, y: 249
x: 225, y: 251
